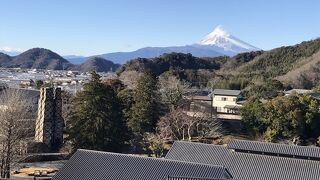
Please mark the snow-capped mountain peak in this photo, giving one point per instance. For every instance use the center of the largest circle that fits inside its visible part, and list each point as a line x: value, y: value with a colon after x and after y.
x: 211, y: 38
x: 222, y: 39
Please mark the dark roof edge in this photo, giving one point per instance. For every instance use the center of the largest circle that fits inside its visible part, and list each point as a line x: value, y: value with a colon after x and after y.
x: 152, y: 158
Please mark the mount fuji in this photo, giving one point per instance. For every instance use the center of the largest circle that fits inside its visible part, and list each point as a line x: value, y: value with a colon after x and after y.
x: 225, y: 43
x: 217, y: 43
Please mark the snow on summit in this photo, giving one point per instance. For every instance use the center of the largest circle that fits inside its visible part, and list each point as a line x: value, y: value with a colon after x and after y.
x: 222, y: 39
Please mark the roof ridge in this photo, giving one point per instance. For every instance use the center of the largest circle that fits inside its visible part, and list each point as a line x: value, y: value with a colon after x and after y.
x: 152, y: 158
x: 189, y: 142
x: 194, y: 178
x: 278, y: 144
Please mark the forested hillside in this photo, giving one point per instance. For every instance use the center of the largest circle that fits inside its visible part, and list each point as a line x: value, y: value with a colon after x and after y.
x: 278, y: 69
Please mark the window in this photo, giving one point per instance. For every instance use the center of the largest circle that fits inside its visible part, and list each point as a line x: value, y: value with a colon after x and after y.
x: 223, y: 99
x: 234, y: 99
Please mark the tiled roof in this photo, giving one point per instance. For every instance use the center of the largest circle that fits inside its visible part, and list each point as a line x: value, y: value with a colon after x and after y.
x: 306, y: 152
x: 226, y: 92
x: 246, y: 166
x: 202, y: 98
x: 94, y: 165
x: 189, y: 178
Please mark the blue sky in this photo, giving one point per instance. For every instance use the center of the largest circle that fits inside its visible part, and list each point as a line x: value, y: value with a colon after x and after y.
x: 89, y: 27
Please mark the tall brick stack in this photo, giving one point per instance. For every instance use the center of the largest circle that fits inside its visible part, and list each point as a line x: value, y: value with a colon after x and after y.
x: 49, y: 123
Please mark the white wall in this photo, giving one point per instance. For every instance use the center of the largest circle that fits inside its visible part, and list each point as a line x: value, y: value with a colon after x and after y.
x: 219, y: 103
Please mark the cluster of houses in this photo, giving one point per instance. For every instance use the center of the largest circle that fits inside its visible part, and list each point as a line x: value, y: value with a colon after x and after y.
x: 239, y: 160
x: 71, y: 81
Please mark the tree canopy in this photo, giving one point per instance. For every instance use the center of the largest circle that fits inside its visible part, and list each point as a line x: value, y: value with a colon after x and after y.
x: 284, y: 117
x: 146, y: 109
x: 96, y: 121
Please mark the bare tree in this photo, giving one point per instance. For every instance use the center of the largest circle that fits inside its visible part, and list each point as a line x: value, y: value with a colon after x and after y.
x: 182, y: 125
x: 155, y: 142
x: 15, y: 112
x: 172, y: 125
x: 172, y: 90
x: 130, y: 78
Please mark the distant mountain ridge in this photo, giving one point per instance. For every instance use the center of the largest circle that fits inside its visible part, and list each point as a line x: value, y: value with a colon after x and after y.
x: 10, y: 52
x: 217, y: 43
x: 151, y: 52
x: 40, y: 58
x: 297, y: 65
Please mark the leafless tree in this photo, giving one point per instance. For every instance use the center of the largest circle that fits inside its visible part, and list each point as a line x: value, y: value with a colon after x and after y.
x: 172, y: 90
x: 172, y: 125
x: 186, y: 125
x: 130, y: 78
x: 15, y: 127
x: 155, y: 142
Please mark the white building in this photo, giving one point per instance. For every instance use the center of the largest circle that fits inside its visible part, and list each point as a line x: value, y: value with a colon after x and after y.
x: 226, y: 103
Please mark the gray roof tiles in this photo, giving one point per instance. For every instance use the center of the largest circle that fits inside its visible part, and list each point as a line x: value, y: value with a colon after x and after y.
x: 246, y: 166
x: 94, y: 165
x: 275, y: 148
x: 226, y: 92
x: 189, y: 178
x: 202, y: 98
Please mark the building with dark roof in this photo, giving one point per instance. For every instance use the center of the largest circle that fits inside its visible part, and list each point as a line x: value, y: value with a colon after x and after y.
x: 275, y: 149
x: 95, y: 165
x: 225, y: 104
x: 226, y: 92
x: 189, y: 178
x: 248, y: 165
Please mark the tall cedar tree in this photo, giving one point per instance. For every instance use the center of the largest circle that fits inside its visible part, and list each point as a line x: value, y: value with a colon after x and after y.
x: 97, y: 121
x: 145, y: 111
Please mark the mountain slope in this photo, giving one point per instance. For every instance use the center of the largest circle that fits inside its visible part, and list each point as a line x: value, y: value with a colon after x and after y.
x: 75, y: 59
x: 279, y: 61
x: 226, y: 43
x: 4, y: 59
x: 97, y: 64
x: 305, y: 74
x: 151, y: 52
x: 40, y: 58
x: 170, y: 61
x: 295, y: 66
x: 217, y: 43
x: 10, y: 52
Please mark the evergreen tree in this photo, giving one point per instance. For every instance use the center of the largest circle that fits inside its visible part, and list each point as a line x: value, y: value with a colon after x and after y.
x: 145, y: 111
x: 126, y: 97
x: 97, y: 120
